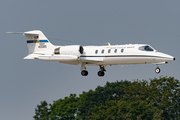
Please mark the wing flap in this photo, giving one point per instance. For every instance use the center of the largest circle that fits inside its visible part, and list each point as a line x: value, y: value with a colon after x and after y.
x: 90, y: 59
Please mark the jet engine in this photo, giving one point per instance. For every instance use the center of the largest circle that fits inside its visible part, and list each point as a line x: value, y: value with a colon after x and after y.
x: 69, y: 50
x: 64, y: 53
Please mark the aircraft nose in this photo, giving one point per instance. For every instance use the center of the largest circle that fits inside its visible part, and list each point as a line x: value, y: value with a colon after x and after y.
x: 166, y: 57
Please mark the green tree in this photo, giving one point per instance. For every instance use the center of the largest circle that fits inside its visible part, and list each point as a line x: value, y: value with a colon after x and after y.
x: 64, y: 108
x: 98, y: 97
x: 153, y: 99
x: 124, y: 110
x: 157, y: 99
x: 42, y: 111
x: 134, y: 104
x: 168, y: 96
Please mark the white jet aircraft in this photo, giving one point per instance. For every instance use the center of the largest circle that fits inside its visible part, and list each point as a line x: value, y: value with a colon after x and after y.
x: 40, y: 48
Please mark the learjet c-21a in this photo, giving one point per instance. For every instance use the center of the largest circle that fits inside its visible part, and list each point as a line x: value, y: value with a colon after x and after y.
x: 40, y: 48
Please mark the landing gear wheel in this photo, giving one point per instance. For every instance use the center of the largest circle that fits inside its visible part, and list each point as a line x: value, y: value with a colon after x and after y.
x: 157, y: 70
x: 101, y: 73
x: 84, y: 73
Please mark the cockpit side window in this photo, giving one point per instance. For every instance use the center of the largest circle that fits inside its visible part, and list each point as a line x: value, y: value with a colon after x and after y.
x: 146, y: 48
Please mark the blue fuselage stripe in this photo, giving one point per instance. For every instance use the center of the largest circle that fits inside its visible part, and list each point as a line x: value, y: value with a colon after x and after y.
x: 43, y: 41
x: 37, y: 41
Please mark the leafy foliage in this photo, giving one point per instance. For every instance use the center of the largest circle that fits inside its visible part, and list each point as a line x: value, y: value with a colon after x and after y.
x: 64, y: 108
x: 98, y: 97
x: 42, y: 111
x: 123, y: 110
x: 167, y: 97
x: 152, y: 100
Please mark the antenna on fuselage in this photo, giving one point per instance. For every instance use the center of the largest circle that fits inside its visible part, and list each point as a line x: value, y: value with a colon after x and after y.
x: 109, y: 44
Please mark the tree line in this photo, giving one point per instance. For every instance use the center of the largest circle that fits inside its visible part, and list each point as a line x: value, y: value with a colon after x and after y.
x: 157, y: 98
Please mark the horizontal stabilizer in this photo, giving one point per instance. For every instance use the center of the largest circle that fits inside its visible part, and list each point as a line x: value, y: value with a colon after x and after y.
x: 32, y: 56
x: 24, y: 33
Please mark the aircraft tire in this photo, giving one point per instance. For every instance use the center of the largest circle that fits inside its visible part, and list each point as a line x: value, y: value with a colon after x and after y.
x: 84, y: 73
x: 101, y: 73
x: 157, y: 70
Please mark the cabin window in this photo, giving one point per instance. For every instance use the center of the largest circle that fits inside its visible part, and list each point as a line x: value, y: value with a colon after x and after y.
x: 115, y: 51
x: 146, y: 48
x: 122, y: 50
x: 96, y: 51
x: 102, y: 51
x: 109, y: 51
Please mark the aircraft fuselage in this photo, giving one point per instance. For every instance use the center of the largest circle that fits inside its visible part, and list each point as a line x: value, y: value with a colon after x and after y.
x: 124, y: 54
x: 40, y: 48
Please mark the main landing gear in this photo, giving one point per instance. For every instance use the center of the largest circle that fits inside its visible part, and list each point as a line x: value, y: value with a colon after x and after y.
x: 100, y: 73
x: 84, y: 73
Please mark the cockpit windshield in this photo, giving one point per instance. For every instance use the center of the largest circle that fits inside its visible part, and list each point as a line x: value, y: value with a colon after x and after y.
x: 146, y: 48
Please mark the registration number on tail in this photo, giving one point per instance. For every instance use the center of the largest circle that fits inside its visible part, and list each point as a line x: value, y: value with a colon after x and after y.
x: 42, y: 45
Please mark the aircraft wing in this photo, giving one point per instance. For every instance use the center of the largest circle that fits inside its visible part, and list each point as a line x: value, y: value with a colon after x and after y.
x: 32, y: 56
x: 90, y: 59
x: 81, y: 60
x: 67, y: 59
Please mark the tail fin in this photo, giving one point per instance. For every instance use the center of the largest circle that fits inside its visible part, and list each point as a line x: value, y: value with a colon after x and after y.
x: 37, y: 42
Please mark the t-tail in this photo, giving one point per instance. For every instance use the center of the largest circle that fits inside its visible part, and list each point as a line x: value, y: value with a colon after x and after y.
x: 37, y: 44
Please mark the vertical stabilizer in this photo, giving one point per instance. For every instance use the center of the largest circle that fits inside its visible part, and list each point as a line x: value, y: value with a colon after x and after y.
x: 37, y: 42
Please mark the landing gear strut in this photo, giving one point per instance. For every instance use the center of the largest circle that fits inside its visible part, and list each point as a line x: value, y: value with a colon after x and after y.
x: 101, y: 71
x: 157, y: 70
x: 84, y: 72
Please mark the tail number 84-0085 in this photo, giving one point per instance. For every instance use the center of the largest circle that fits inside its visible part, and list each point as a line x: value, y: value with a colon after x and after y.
x: 42, y: 45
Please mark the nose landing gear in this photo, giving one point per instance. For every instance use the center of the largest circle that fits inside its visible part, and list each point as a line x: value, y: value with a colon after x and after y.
x: 157, y: 70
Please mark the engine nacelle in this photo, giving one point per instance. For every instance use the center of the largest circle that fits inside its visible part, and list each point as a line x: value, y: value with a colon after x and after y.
x: 69, y: 50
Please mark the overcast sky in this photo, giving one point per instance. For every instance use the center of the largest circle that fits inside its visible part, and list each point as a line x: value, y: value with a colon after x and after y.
x: 24, y: 83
